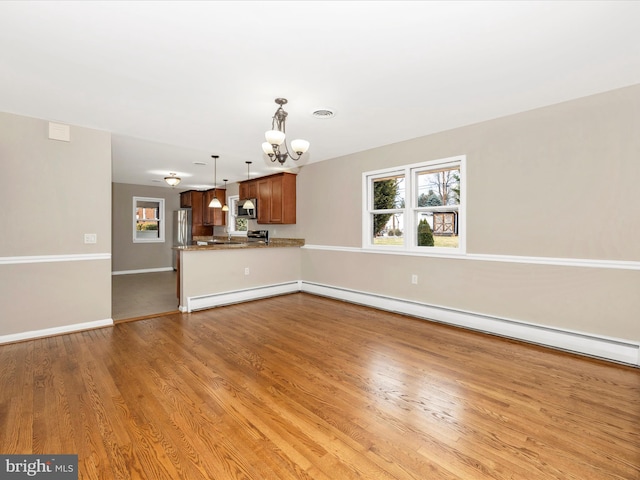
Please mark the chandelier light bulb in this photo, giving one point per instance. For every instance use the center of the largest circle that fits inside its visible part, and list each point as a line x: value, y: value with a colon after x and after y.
x: 299, y: 146
x: 267, y: 148
x: 274, y: 137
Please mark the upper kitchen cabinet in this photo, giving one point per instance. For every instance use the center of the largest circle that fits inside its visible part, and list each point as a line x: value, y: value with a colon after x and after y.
x: 276, y: 196
x: 277, y: 199
x: 214, y: 216
x: 194, y: 200
x: 248, y: 189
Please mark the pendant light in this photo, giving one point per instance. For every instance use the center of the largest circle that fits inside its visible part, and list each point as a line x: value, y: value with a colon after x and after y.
x: 225, y: 207
x: 215, y: 203
x: 248, y: 204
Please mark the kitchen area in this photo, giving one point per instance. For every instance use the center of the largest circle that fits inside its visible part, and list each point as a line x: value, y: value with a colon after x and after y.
x: 217, y: 255
x: 246, y: 264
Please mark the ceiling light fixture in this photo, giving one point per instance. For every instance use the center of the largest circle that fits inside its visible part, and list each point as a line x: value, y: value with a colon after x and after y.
x: 276, y: 137
x: 248, y: 204
x: 172, y: 179
x: 225, y: 207
x: 215, y: 203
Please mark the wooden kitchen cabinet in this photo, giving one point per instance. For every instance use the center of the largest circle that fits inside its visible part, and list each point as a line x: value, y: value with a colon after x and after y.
x: 186, y: 199
x: 248, y: 189
x: 214, y: 216
x: 194, y: 199
x: 276, y: 196
x: 277, y: 199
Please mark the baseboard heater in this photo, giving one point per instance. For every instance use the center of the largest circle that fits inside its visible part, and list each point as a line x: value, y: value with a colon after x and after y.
x: 226, y: 298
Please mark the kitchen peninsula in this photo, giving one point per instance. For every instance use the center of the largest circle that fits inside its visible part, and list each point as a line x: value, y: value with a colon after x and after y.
x: 219, y: 272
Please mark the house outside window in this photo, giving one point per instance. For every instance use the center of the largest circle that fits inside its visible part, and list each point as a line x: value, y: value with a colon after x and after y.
x: 148, y: 220
x: 417, y: 208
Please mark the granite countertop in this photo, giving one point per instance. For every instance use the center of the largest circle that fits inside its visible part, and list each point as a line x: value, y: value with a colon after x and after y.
x: 240, y: 243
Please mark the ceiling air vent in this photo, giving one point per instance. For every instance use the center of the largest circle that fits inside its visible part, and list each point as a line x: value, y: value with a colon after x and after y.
x: 323, y: 113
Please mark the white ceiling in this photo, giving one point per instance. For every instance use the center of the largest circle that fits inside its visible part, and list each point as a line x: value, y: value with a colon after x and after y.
x: 179, y: 81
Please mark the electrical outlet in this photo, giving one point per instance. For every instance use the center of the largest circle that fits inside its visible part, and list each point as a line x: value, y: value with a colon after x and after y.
x: 246, y: 270
x: 90, y: 238
x: 414, y: 279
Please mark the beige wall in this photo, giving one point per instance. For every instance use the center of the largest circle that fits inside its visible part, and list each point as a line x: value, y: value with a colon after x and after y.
x: 210, y: 272
x: 556, y: 182
x: 56, y: 192
x: 127, y: 255
x: 589, y: 300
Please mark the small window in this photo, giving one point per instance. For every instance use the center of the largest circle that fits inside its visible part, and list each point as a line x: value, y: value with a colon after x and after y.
x: 238, y: 226
x: 148, y: 220
x: 415, y: 207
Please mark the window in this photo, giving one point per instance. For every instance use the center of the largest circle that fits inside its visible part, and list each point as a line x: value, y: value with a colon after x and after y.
x: 417, y: 207
x: 238, y: 226
x: 148, y: 220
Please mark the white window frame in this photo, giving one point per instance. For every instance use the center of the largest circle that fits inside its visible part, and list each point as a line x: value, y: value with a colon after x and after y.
x: 233, y: 210
x: 160, y: 220
x: 411, y: 210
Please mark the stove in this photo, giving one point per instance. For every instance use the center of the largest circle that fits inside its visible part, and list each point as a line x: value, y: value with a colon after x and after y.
x: 258, y: 236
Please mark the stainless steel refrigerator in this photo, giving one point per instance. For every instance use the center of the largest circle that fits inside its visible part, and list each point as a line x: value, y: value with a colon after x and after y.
x: 181, y: 231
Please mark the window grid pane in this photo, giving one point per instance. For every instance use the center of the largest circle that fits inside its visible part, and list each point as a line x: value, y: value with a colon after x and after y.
x: 388, y: 229
x: 388, y: 193
x: 437, y: 188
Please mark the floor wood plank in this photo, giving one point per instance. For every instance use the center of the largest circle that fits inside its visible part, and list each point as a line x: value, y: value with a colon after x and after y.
x: 305, y: 387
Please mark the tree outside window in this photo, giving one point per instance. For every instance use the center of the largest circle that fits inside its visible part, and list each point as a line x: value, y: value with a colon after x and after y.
x: 388, y: 202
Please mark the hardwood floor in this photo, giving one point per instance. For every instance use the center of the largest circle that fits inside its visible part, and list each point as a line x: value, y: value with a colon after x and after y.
x: 304, y: 387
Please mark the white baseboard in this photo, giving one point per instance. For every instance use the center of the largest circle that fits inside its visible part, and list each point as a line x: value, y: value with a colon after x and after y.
x: 144, y: 270
x: 49, y: 332
x: 237, y: 296
x: 618, y: 350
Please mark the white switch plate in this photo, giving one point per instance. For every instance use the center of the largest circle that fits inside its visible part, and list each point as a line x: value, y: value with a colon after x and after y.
x: 414, y: 279
x: 246, y: 271
x: 90, y: 238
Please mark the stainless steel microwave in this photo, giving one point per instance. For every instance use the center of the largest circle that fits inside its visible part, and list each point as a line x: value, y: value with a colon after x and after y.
x: 247, y: 212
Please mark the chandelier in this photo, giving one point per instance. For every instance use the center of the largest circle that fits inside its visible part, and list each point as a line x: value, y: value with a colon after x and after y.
x: 276, y: 138
x: 172, y: 179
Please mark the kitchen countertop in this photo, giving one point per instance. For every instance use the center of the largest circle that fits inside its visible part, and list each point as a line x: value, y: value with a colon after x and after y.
x: 273, y: 243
